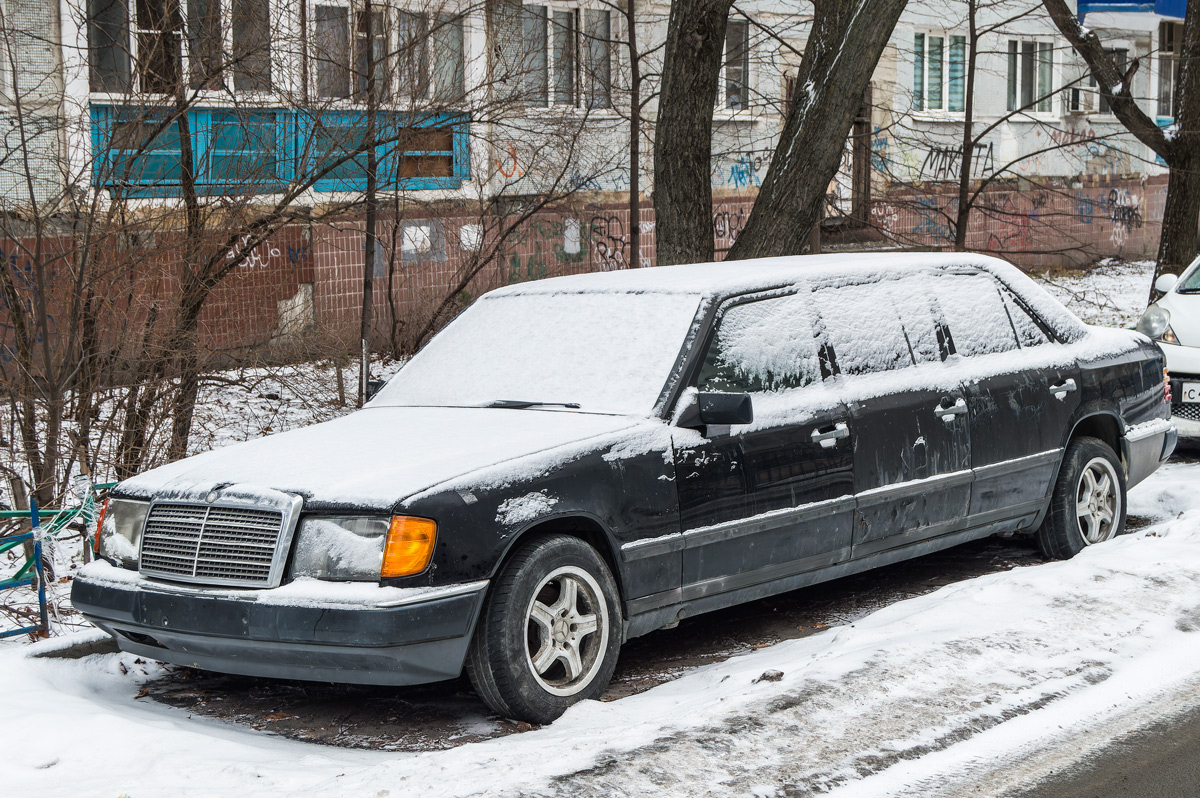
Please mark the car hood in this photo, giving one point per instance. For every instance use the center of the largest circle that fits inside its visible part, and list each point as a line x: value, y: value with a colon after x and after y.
x: 378, y: 456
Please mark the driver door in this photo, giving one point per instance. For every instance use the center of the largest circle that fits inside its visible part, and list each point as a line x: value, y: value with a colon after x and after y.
x: 773, y: 498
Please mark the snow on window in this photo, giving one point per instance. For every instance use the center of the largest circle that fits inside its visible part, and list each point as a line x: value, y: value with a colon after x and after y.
x: 972, y: 308
x: 863, y: 325
x: 1028, y: 331
x: 760, y: 346
x: 607, y: 352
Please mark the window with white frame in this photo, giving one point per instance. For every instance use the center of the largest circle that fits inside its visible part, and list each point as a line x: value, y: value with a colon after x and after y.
x: 735, y: 70
x: 408, y: 54
x: 152, y: 45
x: 939, y: 71
x: 554, y: 54
x: 1030, y: 76
x: 1170, y: 38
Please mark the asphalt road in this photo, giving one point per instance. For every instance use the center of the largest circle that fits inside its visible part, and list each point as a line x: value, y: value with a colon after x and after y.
x: 1162, y: 761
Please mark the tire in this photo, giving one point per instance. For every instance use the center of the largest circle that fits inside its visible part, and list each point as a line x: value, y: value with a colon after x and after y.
x: 532, y: 654
x: 1088, y: 505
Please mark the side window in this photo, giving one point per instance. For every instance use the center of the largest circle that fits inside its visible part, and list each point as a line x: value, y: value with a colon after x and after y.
x: 974, y: 311
x: 761, y: 346
x: 864, y: 326
x: 1029, y: 332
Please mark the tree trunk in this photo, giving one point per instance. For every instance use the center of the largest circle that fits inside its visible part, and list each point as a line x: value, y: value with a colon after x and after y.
x: 963, y: 217
x: 846, y: 43
x: 1177, y: 244
x: 683, y: 134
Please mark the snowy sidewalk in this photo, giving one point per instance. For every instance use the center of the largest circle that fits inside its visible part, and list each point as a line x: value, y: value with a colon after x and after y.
x: 912, y: 696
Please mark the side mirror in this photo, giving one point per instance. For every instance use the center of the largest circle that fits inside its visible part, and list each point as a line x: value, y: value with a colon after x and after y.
x: 718, y: 410
x: 373, y: 387
x: 1165, y: 282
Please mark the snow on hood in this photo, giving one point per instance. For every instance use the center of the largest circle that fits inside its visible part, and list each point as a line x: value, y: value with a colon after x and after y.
x: 380, y: 455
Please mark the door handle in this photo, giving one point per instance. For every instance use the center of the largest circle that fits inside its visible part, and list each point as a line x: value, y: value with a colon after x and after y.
x: 829, y: 438
x: 1060, y: 391
x: 946, y: 411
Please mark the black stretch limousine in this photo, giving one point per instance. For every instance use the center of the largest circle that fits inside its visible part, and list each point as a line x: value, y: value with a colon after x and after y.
x: 577, y: 461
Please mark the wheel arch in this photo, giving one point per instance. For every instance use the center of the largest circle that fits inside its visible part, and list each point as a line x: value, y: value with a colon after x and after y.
x: 1102, y: 424
x: 577, y: 524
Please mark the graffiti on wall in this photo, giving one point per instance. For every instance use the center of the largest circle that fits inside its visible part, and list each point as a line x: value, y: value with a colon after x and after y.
x: 728, y: 223
x: 944, y: 163
x: 257, y: 258
x: 744, y: 169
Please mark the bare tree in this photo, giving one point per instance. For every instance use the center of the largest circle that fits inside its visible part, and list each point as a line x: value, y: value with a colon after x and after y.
x: 839, y: 59
x: 1179, y: 147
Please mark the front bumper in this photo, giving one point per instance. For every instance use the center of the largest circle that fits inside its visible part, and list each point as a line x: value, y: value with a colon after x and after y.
x: 401, y: 636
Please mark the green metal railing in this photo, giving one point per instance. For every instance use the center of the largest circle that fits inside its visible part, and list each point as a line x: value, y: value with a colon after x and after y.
x: 31, y: 568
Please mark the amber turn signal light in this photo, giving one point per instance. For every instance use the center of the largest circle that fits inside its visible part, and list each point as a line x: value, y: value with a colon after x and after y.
x: 409, y: 546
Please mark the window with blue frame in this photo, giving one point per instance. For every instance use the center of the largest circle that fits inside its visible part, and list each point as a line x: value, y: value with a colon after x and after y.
x: 138, y: 150
x: 265, y: 150
x: 425, y: 153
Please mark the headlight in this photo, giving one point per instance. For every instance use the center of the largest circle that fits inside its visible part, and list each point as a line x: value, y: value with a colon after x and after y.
x: 1154, y: 321
x: 340, y: 548
x: 121, y: 531
x: 362, y: 548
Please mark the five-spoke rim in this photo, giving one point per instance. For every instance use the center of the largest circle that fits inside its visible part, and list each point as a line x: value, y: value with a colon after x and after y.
x: 566, y: 630
x: 1098, y: 501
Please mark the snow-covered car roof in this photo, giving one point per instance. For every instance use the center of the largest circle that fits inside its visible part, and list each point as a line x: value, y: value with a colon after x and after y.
x: 724, y: 278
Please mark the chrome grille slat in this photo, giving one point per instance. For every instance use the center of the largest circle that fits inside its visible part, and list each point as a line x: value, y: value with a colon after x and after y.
x: 227, y: 545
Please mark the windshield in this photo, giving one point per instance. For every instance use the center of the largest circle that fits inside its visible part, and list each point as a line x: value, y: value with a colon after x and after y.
x: 605, y: 352
x: 1190, y: 284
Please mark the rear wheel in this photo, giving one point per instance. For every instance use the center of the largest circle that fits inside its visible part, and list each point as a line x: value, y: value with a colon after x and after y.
x: 550, y: 633
x: 1088, y: 506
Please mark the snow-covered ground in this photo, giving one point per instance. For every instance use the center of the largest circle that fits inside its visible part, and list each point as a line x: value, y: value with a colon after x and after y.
x: 915, y: 698
x: 1113, y: 294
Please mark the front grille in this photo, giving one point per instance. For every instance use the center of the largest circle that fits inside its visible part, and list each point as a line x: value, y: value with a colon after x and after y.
x: 220, y: 545
x: 1190, y: 412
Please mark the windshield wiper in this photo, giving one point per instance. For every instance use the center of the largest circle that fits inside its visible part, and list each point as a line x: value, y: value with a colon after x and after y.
x: 520, y: 404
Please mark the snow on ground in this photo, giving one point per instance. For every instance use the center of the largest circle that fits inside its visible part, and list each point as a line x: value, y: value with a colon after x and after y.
x: 907, y: 699
x: 1113, y: 293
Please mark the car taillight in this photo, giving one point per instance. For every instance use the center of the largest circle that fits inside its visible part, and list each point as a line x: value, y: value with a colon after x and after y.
x: 1167, y: 386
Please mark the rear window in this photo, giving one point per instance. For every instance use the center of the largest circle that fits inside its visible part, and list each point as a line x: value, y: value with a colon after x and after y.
x: 863, y: 325
x: 973, y: 309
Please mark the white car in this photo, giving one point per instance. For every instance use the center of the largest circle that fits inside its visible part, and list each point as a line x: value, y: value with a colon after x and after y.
x: 1174, y: 323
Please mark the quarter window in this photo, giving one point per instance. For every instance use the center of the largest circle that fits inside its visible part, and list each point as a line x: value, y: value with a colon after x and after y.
x: 762, y: 346
x: 1029, y: 332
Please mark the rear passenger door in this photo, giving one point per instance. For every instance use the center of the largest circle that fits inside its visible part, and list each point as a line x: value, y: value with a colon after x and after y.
x: 774, y: 498
x: 1021, y: 405
x: 912, y: 440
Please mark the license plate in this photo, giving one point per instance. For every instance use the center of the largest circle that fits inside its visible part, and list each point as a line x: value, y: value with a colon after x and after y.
x: 1189, y: 392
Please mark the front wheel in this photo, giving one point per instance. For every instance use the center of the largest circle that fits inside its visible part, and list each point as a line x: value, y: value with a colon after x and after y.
x: 1088, y: 505
x: 550, y: 632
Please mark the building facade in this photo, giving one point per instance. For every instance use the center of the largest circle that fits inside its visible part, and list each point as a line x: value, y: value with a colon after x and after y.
x: 507, y: 123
